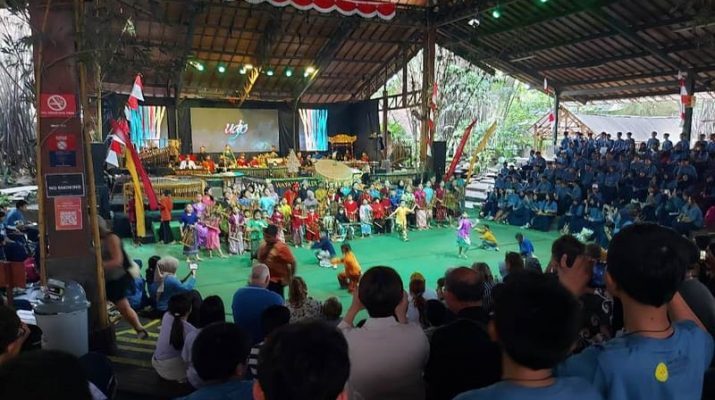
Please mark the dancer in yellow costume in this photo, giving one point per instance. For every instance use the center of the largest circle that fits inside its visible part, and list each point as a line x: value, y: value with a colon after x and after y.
x: 400, y: 215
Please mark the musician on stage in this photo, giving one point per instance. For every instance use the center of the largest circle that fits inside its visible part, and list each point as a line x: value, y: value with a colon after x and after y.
x: 209, y: 164
x: 242, y: 162
x: 201, y: 155
x: 189, y: 234
x: 230, y: 155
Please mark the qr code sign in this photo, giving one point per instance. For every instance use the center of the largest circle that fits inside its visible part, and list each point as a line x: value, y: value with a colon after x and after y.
x: 68, y: 218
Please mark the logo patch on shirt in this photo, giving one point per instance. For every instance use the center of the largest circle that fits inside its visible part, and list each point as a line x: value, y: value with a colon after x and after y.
x: 661, y: 372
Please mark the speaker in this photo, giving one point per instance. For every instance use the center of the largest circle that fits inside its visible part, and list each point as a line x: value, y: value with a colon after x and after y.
x: 439, y: 158
x: 99, y: 154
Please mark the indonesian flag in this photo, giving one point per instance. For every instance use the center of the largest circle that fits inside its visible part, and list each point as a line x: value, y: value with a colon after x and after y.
x: 552, y: 119
x: 546, y: 85
x: 685, y: 97
x: 136, y: 95
x: 115, y: 148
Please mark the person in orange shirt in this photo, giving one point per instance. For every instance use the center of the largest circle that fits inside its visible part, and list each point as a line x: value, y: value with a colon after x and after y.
x: 209, y: 164
x: 351, y: 276
x: 165, y: 207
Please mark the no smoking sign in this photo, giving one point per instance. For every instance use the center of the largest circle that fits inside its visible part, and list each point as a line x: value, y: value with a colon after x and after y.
x: 54, y: 105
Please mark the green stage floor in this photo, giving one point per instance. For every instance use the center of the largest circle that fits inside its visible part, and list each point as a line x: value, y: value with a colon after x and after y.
x: 429, y: 252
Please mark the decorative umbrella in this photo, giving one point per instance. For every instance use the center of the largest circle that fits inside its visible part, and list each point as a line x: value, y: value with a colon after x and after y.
x: 334, y: 170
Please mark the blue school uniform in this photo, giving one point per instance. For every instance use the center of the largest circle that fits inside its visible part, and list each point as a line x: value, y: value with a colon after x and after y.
x: 562, y: 389
x: 635, y: 367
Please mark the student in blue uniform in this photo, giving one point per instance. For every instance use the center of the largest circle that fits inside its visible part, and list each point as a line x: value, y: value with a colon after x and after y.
x: 660, y: 356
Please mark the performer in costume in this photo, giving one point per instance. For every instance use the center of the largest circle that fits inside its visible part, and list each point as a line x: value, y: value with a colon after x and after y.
x: 254, y: 228
x: 165, y: 207
x: 189, y: 235
x: 312, y: 225
x: 297, y: 223
x: 378, y: 216
x: 463, y: 235
x: 213, y: 232
x: 400, y: 215
x: 421, y: 202
x: 324, y: 250
x: 409, y: 198
x: 351, y: 276
x: 439, y: 206
x: 235, y: 232
x: 278, y: 220
x: 365, y: 218
x: 201, y: 231
x: 351, y: 208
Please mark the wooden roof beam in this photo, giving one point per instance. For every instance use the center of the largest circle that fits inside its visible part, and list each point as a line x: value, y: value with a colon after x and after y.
x: 195, y: 9
x: 392, y: 65
x: 674, y: 85
x: 605, y: 60
x: 650, y: 75
x: 327, y: 52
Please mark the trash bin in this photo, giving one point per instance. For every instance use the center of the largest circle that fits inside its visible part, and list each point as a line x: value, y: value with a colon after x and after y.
x: 62, y: 316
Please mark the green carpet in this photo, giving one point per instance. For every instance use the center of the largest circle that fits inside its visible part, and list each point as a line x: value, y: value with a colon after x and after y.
x: 429, y: 252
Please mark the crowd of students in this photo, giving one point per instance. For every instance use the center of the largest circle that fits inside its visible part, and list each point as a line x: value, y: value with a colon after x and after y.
x: 643, y: 332
x: 603, y: 184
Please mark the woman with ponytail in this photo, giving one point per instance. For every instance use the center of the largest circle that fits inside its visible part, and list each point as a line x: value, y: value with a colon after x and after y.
x: 418, y: 294
x: 174, y: 329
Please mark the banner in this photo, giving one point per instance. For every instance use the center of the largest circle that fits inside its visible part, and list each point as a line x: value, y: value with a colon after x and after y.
x: 460, y: 150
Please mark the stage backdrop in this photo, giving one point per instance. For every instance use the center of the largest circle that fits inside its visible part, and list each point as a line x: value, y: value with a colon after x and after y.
x: 245, y: 130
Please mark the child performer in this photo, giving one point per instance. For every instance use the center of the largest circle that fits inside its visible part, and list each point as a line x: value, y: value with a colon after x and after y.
x: 165, y: 207
x: 344, y: 229
x: 189, y: 235
x: 254, y: 228
x: 365, y: 218
x: 400, y: 215
x: 463, y: 232
x: 351, y: 208
x: 378, y: 216
x: 421, y: 202
x: 213, y: 231
x: 278, y: 220
x: 312, y: 225
x: 235, y: 232
x: 297, y: 222
x: 350, y: 277
x: 489, y: 241
x: 324, y: 250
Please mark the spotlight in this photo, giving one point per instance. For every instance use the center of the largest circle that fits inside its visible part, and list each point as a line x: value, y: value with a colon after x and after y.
x: 543, y: 1
x: 269, y: 72
x: 248, y: 66
x: 310, y: 70
x: 474, y: 22
x: 289, y: 72
x: 221, y: 69
x: 242, y: 71
x: 496, y: 13
x: 197, y: 65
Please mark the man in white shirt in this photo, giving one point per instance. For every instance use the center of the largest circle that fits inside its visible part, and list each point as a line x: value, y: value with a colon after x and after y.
x: 387, y: 355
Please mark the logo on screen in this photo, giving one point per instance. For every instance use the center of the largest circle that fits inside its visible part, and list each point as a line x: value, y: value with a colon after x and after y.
x: 236, y: 130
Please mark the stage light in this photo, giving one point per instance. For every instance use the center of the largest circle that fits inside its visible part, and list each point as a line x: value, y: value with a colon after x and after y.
x: 496, y: 13
x: 289, y: 72
x: 310, y: 70
x: 197, y: 65
x: 474, y: 22
x: 543, y: 1
x: 221, y: 69
x: 242, y: 71
x: 248, y: 66
x: 306, y: 74
x: 269, y: 72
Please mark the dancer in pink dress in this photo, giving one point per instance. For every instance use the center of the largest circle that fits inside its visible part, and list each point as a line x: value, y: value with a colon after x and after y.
x: 213, y: 241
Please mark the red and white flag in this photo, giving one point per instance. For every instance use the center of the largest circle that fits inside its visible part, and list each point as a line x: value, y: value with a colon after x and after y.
x: 430, y: 119
x: 136, y: 95
x: 546, y: 85
x: 684, y: 98
x: 116, y: 147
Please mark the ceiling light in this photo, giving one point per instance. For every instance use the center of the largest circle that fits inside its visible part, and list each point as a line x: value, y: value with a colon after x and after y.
x: 269, y: 72
x: 197, y: 65
x: 310, y: 70
x: 496, y: 13
x: 242, y: 71
x: 221, y: 69
x: 248, y: 66
x: 474, y: 22
x: 289, y: 72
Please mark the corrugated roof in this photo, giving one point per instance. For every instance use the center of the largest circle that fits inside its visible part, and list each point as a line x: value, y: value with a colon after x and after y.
x: 641, y: 127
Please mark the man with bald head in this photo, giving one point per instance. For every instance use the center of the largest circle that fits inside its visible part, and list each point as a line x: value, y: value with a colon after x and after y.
x: 249, y: 302
x: 462, y: 356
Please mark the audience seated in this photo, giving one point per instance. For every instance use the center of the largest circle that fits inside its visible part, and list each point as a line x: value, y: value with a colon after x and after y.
x: 167, y: 360
x: 166, y: 285
x: 462, y: 345
x: 272, y: 318
x: 290, y: 368
x: 417, y: 296
x: 45, y: 374
x: 302, y: 307
x: 331, y: 311
x: 656, y: 358
x: 13, y: 334
x: 535, y: 323
x: 387, y: 354
x: 250, y: 301
x: 220, y: 355
x: 212, y: 311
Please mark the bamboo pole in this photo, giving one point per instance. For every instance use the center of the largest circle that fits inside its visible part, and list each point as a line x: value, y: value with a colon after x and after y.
x: 103, y: 317
x: 38, y: 153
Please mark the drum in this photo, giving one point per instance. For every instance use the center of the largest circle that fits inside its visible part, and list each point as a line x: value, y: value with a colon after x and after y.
x: 188, y: 237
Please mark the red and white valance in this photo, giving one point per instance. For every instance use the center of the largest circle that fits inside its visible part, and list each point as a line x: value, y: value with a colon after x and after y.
x: 365, y: 9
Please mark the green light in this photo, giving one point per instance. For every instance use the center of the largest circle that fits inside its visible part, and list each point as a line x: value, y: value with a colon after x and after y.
x: 221, y: 69
x: 543, y: 1
x: 269, y: 72
x: 242, y: 71
x: 496, y: 13
x: 289, y: 72
x: 198, y: 65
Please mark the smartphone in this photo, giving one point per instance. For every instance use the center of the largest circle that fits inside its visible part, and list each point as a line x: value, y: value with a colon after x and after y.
x: 598, y: 278
x: 703, y: 255
x: 193, y: 266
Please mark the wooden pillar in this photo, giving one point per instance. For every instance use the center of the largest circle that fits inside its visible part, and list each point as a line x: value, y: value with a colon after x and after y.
x: 68, y: 236
x: 688, y: 122
x: 384, y: 126
x: 557, y: 101
x: 428, y: 60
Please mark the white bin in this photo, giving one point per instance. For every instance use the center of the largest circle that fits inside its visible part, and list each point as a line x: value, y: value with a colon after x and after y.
x: 64, y: 320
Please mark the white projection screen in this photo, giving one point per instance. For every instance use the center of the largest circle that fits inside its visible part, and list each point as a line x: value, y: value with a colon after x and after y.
x: 245, y: 130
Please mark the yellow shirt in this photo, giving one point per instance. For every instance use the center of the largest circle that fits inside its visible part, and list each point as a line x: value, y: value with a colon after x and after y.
x: 352, y: 266
x: 286, y: 211
x: 401, y: 215
x: 489, y: 237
